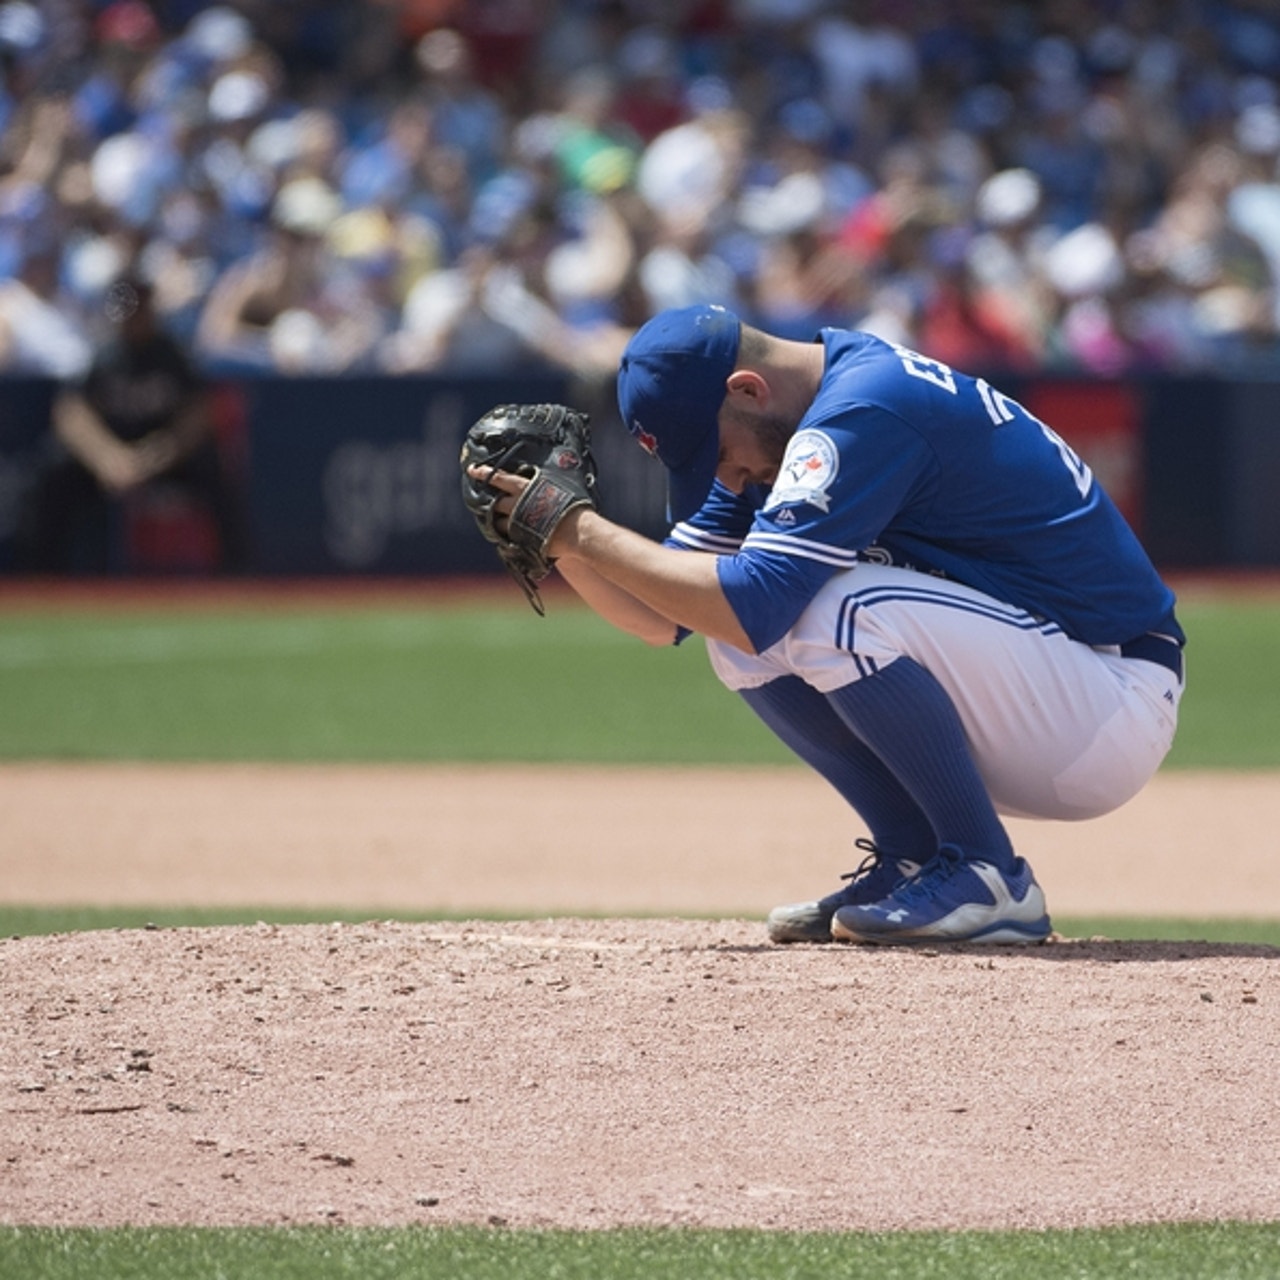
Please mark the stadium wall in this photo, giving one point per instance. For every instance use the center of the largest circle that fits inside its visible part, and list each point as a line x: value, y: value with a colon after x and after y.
x: 358, y: 475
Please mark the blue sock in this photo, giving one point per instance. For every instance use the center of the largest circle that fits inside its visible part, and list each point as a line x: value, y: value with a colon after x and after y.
x: 908, y: 720
x: 805, y: 721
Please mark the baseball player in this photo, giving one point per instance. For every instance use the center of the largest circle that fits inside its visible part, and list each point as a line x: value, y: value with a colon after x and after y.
x: 915, y: 583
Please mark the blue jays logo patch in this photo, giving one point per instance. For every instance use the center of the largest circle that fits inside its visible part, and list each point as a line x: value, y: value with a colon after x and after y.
x: 808, y: 469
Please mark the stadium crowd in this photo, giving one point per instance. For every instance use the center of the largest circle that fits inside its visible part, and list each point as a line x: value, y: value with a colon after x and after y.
x: 459, y: 185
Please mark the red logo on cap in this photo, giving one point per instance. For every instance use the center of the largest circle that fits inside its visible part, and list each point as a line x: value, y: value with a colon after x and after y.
x: 649, y: 443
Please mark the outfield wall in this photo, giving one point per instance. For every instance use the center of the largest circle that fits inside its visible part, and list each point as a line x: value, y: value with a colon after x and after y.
x: 358, y: 475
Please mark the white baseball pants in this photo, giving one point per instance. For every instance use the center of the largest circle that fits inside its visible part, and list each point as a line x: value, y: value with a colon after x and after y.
x: 1058, y: 730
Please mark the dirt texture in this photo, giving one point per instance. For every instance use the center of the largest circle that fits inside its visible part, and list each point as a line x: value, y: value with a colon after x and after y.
x: 583, y: 1070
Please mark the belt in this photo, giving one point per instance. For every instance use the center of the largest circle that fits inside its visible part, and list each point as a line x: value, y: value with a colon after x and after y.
x: 1155, y: 648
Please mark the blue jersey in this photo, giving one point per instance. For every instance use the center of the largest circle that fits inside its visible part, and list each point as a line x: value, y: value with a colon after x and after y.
x: 903, y: 459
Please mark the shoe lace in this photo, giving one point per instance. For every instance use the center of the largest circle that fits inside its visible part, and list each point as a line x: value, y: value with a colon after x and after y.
x: 921, y: 885
x: 865, y: 867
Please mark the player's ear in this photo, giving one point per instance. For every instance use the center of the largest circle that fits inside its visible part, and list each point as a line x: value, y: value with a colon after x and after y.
x: 745, y: 385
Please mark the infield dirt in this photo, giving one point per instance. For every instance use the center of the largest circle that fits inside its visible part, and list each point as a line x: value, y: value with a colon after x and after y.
x: 593, y: 1072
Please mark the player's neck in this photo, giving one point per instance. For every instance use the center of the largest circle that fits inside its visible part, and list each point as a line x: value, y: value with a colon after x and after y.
x: 797, y: 374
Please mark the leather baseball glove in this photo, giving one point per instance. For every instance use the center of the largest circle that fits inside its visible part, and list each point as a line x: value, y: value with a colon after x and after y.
x: 548, y: 444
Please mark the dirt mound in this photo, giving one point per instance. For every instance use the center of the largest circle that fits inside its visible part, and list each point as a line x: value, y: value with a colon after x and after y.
x: 593, y: 1073
x: 598, y: 1072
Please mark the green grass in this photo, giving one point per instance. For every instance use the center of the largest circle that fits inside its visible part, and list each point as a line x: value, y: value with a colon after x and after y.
x: 1169, y: 929
x: 1230, y: 713
x: 492, y: 682
x: 360, y: 684
x: 26, y: 921
x: 482, y: 683
x: 1211, y: 1251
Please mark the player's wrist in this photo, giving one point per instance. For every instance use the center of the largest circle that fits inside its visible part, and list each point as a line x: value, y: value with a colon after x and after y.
x: 567, y: 539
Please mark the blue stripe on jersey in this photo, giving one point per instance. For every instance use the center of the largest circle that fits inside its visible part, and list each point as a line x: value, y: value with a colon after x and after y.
x: 847, y: 617
x: 866, y: 666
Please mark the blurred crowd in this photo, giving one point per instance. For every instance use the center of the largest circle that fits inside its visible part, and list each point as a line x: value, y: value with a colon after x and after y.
x: 466, y: 185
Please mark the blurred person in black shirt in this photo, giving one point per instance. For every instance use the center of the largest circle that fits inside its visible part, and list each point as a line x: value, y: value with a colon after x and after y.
x: 139, y: 416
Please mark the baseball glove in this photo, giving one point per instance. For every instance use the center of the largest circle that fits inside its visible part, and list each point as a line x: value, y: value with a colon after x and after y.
x: 548, y: 444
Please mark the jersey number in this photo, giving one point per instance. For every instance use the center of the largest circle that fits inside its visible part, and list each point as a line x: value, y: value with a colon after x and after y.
x: 1000, y: 409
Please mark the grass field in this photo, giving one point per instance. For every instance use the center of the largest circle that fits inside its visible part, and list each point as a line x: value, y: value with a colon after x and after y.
x: 1235, y: 1252
x: 491, y: 682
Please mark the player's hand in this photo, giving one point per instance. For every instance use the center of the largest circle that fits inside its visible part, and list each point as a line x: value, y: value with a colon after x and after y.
x: 510, y: 484
x: 514, y: 485
x: 526, y: 470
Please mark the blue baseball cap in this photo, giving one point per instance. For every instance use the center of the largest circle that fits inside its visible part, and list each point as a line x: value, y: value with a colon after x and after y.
x: 671, y: 384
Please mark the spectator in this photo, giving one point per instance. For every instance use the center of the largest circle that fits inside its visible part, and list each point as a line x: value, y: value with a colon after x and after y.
x: 465, y: 116
x: 164, y: 134
x: 1004, y: 259
x: 287, y: 308
x: 960, y: 324
x: 139, y: 416
x: 40, y: 332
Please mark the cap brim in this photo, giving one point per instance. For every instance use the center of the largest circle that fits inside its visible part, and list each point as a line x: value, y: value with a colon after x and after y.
x: 687, y: 489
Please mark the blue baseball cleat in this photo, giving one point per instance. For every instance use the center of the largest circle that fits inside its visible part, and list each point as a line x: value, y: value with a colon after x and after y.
x: 875, y: 878
x: 952, y: 899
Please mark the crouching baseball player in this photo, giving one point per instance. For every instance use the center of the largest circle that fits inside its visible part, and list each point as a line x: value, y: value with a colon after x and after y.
x: 916, y: 584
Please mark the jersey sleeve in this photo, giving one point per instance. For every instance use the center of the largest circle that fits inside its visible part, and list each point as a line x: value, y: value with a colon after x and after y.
x: 719, y: 525
x: 838, y: 487
x: 718, y: 528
